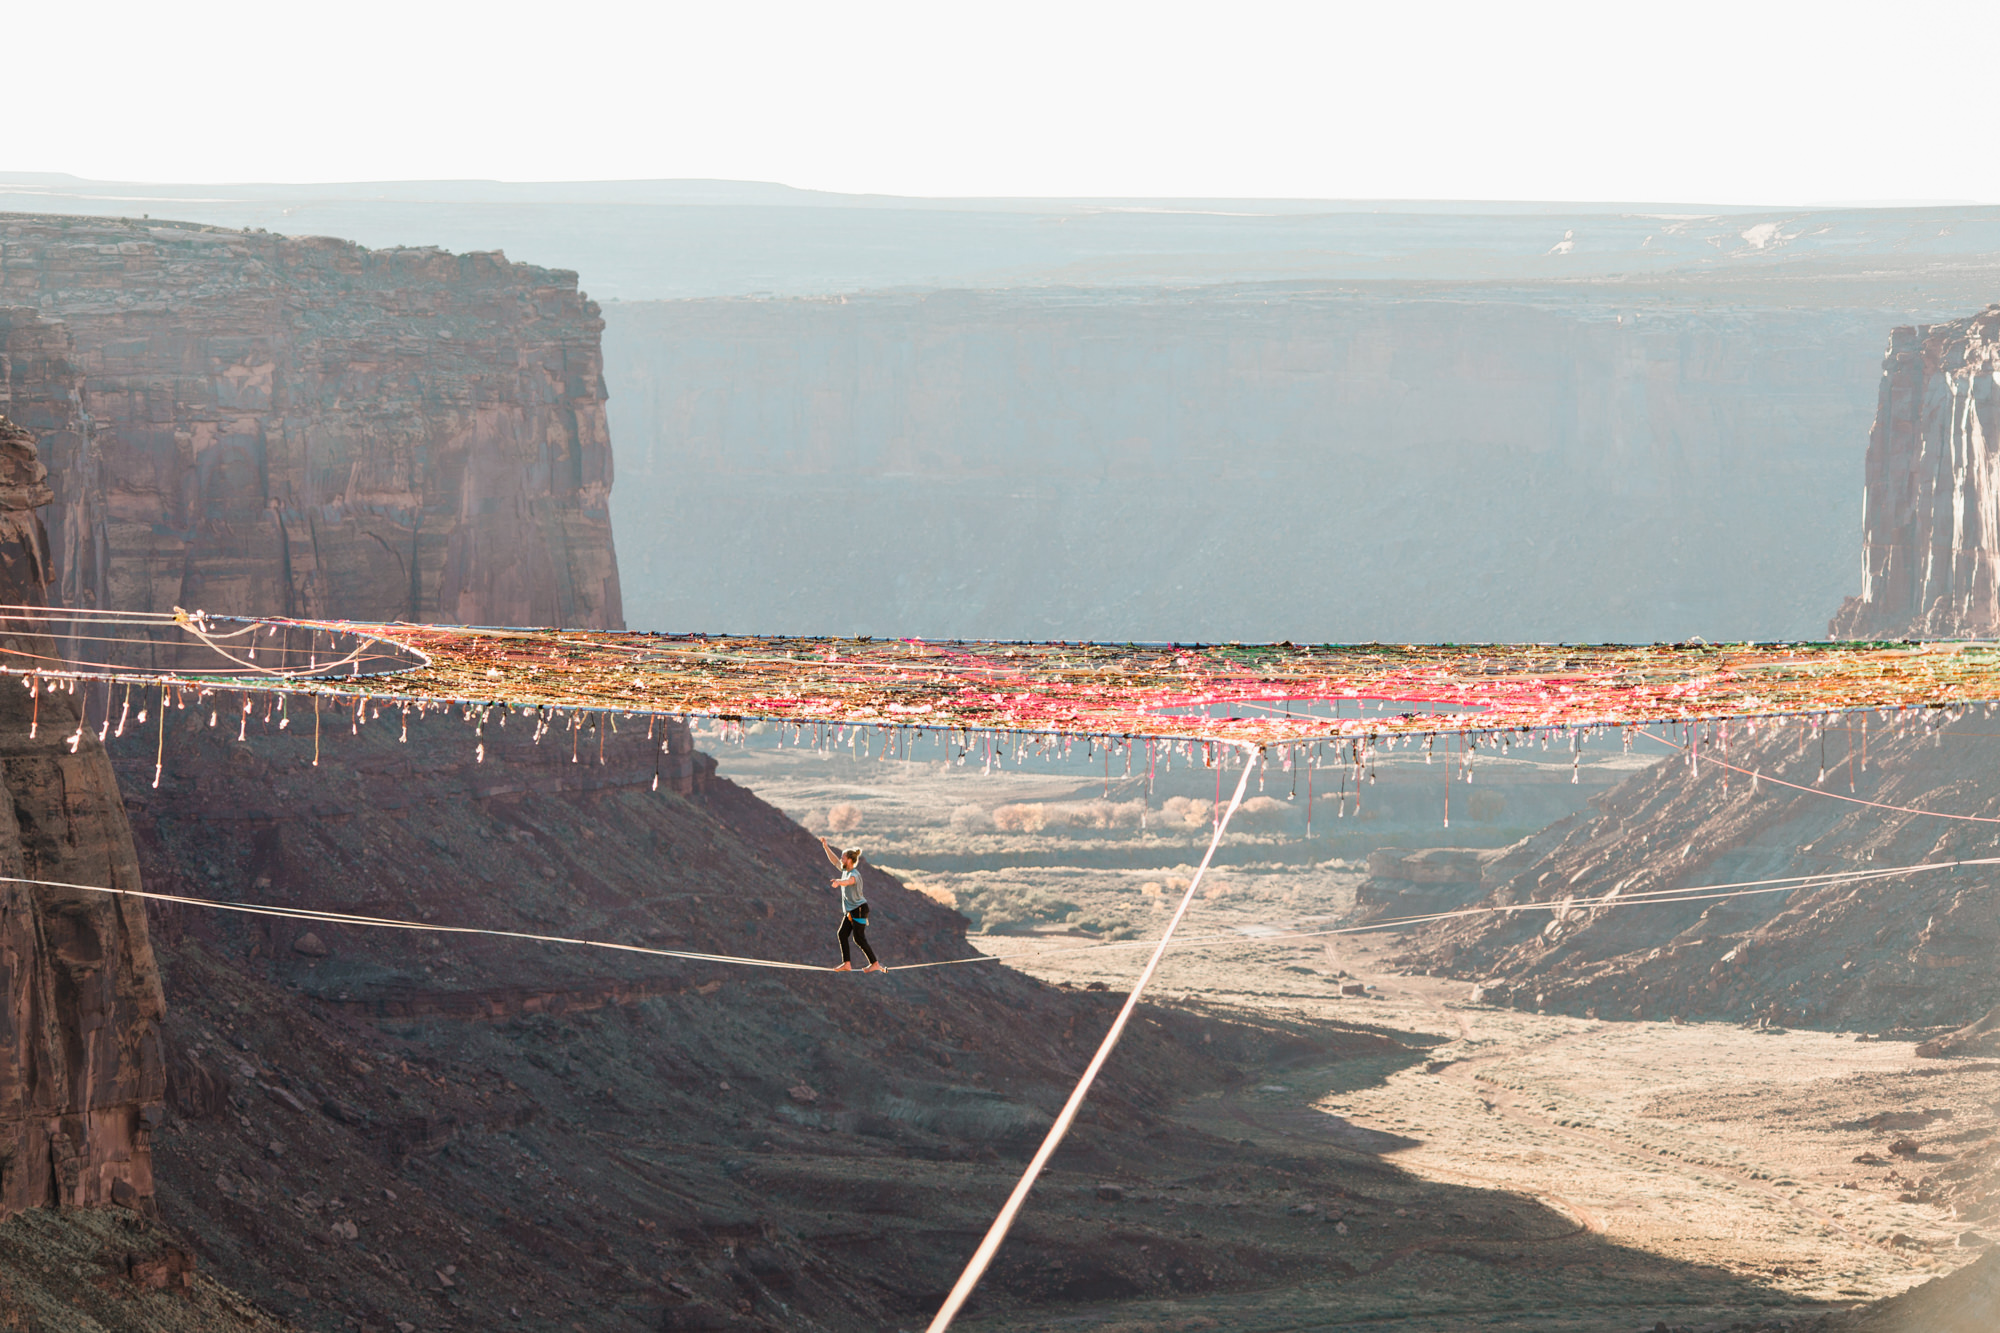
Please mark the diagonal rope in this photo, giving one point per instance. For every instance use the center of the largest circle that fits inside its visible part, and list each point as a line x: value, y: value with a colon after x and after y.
x: 1649, y: 898
x: 1761, y: 776
x: 1689, y: 893
x: 997, y: 1233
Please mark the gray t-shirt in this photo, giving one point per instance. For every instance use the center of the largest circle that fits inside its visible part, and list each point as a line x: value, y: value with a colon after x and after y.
x: 851, y: 896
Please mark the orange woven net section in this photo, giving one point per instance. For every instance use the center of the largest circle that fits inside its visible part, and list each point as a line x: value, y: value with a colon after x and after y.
x: 1234, y: 693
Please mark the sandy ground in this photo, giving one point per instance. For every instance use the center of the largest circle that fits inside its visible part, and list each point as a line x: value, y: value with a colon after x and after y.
x: 1726, y: 1152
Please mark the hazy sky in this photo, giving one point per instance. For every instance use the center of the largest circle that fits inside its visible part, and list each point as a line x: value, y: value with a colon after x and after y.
x: 1715, y: 102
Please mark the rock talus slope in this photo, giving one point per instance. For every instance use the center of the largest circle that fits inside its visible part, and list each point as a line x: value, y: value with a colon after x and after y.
x: 1914, y: 951
x: 601, y: 1139
x: 299, y: 425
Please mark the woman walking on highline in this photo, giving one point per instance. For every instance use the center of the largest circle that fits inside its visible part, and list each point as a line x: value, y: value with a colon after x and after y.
x: 853, y: 907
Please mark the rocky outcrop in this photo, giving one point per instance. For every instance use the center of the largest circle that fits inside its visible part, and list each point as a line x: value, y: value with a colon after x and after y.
x: 299, y: 425
x: 1967, y: 1301
x: 1931, y: 529
x: 82, y: 1080
x: 1914, y: 953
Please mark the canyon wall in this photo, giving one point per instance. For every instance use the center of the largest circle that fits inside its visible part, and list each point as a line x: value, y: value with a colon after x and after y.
x: 303, y: 426
x: 82, y: 1080
x: 253, y: 423
x: 1386, y: 461
x: 1931, y: 527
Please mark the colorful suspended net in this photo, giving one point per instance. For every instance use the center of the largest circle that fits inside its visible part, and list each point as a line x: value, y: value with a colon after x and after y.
x: 1238, y: 694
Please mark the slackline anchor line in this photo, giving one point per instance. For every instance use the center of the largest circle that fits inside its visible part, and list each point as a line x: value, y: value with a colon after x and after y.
x: 1645, y: 898
x: 1760, y: 775
x: 975, y: 1268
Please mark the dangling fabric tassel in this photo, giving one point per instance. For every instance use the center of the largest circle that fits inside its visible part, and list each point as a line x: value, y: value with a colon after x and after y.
x: 1447, y: 787
x: 77, y: 738
x: 160, y: 754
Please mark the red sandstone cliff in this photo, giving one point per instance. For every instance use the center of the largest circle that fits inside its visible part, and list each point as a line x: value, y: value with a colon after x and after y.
x: 301, y: 425
x: 1931, y: 523
x: 81, y: 1075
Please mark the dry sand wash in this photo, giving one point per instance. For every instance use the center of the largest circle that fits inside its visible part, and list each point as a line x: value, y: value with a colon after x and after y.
x: 1549, y: 1172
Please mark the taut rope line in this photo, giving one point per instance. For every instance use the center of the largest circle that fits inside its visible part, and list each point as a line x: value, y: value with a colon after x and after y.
x: 997, y: 1233
x: 1650, y: 898
x: 1761, y: 776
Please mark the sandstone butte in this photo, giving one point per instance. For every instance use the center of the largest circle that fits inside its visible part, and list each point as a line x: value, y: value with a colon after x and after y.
x: 251, y: 422
x: 1930, y: 541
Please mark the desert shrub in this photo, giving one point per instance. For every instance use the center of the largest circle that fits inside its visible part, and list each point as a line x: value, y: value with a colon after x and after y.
x: 1058, y: 816
x: 1267, y: 812
x: 844, y: 818
x: 937, y: 894
x: 1102, y: 814
x: 1025, y: 817
x: 998, y: 906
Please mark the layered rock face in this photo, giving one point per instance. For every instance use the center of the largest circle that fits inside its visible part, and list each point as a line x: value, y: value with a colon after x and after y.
x: 256, y: 424
x: 1912, y: 952
x: 82, y: 1080
x: 303, y: 426
x: 1392, y: 460
x: 1931, y: 530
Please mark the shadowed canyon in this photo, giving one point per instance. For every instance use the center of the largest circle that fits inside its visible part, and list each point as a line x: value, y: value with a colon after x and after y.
x: 1770, y: 1110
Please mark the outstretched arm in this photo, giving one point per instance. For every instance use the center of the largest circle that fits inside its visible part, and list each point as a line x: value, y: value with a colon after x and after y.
x: 831, y: 854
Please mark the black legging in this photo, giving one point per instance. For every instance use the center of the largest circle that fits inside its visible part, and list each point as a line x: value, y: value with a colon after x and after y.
x: 855, y: 926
